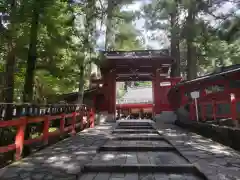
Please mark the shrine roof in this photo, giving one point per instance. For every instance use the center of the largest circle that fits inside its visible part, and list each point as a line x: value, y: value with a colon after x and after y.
x: 139, y: 64
x: 221, y: 73
x: 137, y: 54
x: 150, y: 57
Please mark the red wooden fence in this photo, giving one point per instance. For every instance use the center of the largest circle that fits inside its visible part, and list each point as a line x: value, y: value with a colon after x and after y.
x: 22, y: 122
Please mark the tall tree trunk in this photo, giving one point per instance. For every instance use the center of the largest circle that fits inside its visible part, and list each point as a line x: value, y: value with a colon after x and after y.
x: 31, y: 66
x: 32, y: 55
x: 88, y: 46
x: 110, y: 40
x: 175, y: 51
x: 81, y: 85
x: 191, y: 49
x: 11, y: 62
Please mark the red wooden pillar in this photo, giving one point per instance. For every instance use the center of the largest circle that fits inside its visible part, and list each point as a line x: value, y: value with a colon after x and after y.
x: 233, y: 107
x: 81, y: 115
x: 203, y: 106
x: 111, y: 92
x: 45, y: 129
x: 62, y: 123
x: 214, y: 110
x: 113, y: 102
x: 157, y: 77
x: 203, y: 112
x: 92, y: 118
x: 154, y: 94
x: 192, y: 111
x: 74, y: 123
x: 19, y: 140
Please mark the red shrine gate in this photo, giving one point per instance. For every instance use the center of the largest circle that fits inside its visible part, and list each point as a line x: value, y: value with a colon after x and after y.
x: 148, y: 65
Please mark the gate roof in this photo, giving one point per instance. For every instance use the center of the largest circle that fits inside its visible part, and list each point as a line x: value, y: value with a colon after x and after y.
x: 138, y: 65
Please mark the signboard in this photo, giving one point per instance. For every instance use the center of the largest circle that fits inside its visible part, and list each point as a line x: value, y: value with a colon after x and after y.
x: 165, y: 84
x: 195, y: 94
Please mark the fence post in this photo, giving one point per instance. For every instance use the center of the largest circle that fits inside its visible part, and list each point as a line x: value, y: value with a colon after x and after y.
x: 192, y: 112
x: 88, y: 117
x: 62, y: 123
x: 214, y: 110
x: 74, y: 123
x: 45, y: 129
x: 203, y: 112
x: 233, y: 109
x: 92, y: 118
x: 19, y: 139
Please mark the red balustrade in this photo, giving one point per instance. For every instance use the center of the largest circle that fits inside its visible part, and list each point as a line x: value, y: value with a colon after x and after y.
x: 22, y: 122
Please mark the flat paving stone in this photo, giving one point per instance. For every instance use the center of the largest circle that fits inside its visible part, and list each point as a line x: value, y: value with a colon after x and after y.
x: 137, y: 138
x: 135, y: 131
x: 63, y: 160
x: 125, y: 158
x: 133, y: 123
x: 137, y: 135
x: 216, y: 161
x: 134, y: 127
x: 138, y: 176
x: 138, y: 143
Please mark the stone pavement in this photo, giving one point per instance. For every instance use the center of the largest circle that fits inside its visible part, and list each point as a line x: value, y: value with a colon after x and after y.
x: 138, y: 154
x: 62, y: 161
x: 137, y: 150
x: 216, y: 161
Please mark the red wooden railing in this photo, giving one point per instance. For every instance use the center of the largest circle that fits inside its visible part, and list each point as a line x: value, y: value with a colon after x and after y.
x: 85, y: 114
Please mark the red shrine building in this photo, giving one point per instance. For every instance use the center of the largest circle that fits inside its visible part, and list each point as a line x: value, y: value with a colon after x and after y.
x: 120, y: 66
x: 219, y: 91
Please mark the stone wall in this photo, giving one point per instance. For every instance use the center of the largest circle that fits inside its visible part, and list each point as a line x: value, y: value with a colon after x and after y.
x: 222, y: 134
x: 166, y: 117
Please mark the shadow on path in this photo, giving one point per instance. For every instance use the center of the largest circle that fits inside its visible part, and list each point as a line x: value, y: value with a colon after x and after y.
x: 63, y: 160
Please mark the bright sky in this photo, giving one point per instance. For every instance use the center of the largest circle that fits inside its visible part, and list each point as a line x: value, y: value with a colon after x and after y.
x: 161, y: 38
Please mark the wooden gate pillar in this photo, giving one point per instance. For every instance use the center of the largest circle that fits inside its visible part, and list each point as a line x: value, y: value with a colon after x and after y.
x: 156, y: 92
x: 110, y: 93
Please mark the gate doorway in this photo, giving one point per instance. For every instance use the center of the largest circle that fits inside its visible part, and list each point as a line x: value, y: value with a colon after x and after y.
x: 134, y: 100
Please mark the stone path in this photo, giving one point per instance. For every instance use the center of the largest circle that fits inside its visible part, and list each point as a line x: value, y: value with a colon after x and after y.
x: 137, y: 176
x: 130, y: 150
x: 62, y: 161
x: 138, y: 143
x: 218, y: 162
x: 136, y: 151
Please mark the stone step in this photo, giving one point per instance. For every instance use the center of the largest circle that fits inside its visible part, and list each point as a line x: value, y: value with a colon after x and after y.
x: 139, y: 176
x: 132, y: 136
x: 135, y: 131
x: 130, y: 168
x: 138, y: 143
x: 134, y: 127
x: 134, y: 149
x: 137, y: 123
x: 137, y: 137
x: 138, y: 158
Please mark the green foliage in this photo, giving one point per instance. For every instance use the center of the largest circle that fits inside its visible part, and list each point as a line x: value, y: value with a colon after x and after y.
x: 142, y: 83
x: 66, y: 41
x: 214, y: 46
